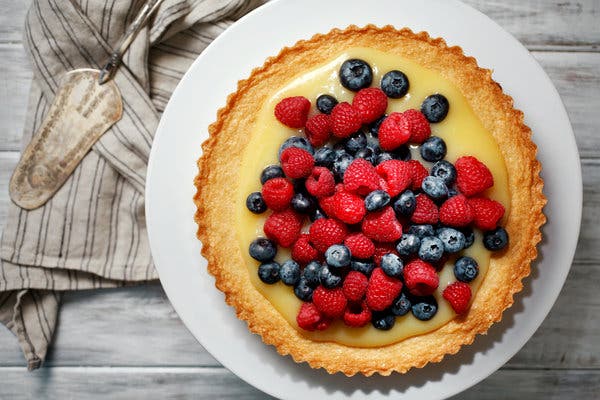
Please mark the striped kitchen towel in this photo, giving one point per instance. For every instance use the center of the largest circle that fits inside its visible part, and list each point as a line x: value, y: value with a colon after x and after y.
x: 92, y: 233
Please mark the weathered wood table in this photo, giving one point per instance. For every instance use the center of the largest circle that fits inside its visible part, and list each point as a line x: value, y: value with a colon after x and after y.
x: 129, y: 343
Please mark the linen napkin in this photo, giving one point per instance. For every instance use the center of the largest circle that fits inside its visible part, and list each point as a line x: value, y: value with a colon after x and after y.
x: 92, y: 233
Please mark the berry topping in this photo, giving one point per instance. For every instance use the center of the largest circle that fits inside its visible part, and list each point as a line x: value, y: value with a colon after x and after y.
x: 255, y: 203
x: 360, y: 177
x: 355, y: 143
x: 374, y: 127
x: 382, y: 226
x: 312, y: 273
x: 424, y: 308
x: 355, y: 74
x: 419, y: 127
x: 326, y: 232
x: 367, y: 153
x: 318, y: 129
x: 458, y: 294
x: 408, y: 245
x: 321, y: 182
x: 302, y: 290
x: 296, y: 141
x: 345, y: 120
x: 269, y: 272
x: 383, y: 321
x: 395, y: 176
x: 360, y: 246
x: 401, y: 306
x: 495, y: 240
x: 486, y: 212
x: 303, y: 203
x: 357, y: 315
x: 283, y: 227
x: 406, y: 203
x: 370, y: 103
x: 262, y: 249
x: 469, y: 237
x: 325, y: 103
x: 418, y: 172
x: 296, y: 162
x: 290, y: 272
x: 453, y: 240
x: 420, y: 278
x: 309, y: 317
x: 364, y: 267
x: 329, y: 278
x: 324, y: 157
x: 395, y: 84
x: 426, y: 212
x: 348, y: 207
x: 472, y: 176
x: 278, y: 193
x: 303, y: 251
x: 330, y: 302
x: 341, y: 163
x: 435, y: 108
x: 456, y: 211
x: 293, y: 111
x: 376, y: 200
x: 392, y: 265
x: 421, y: 230
x: 382, y: 290
x: 270, y: 172
x: 394, y: 131
x: 431, y: 249
x: 466, y: 269
x: 444, y: 170
x: 433, y: 149
x: 434, y: 187
x: 355, y: 286
x: 338, y: 256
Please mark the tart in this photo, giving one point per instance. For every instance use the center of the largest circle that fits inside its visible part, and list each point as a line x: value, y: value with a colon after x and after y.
x: 369, y: 200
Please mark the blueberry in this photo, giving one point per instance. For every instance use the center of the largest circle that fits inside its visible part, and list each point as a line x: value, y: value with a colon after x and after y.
x: 444, y: 170
x: 496, y: 239
x: 421, y: 230
x: 296, y: 141
x: 408, y: 244
x: 453, y: 240
x: 392, y: 265
x: 466, y: 269
x: 290, y: 272
x: 367, y: 153
x: 355, y: 74
x: 303, y: 203
x: 434, y: 187
x: 452, y: 192
x: 311, y: 273
x: 395, y: 84
x: 374, y: 126
x: 355, y: 142
x: 376, y: 200
x: 433, y: 149
x: 431, y: 249
x: 256, y: 203
x: 383, y: 320
x: 424, y: 308
x: 303, y: 291
x: 262, y: 249
x: 469, y: 237
x: 269, y: 272
x: 363, y: 267
x: 270, y: 172
x: 384, y: 156
x: 329, y: 279
x: 317, y: 214
x: 324, y: 157
x: 435, y: 107
x: 338, y: 256
x: 341, y: 163
x: 402, y: 153
x: 401, y: 306
x: 405, y: 205
x: 325, y: 103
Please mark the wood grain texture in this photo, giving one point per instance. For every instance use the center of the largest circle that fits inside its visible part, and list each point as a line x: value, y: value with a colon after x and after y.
x: 15, y: 79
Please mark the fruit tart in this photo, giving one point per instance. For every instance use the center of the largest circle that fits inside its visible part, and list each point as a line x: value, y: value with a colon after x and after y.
x: 369, y: 200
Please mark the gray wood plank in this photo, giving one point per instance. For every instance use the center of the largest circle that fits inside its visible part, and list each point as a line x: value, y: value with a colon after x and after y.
x: 12, y: 19
x: 15, y: 80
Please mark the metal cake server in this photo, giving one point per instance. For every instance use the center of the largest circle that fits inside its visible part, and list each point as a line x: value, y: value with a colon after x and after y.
x: 87, y: 103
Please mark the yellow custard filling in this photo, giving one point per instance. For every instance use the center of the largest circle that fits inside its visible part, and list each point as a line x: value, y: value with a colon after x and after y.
x: 461, y: 130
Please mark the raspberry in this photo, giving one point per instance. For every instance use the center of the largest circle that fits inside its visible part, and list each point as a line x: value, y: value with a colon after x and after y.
x: 456, y: 212
x: 293, y: 111
x: 283, y: 227
x: 330, y: 302
x: 357, y: 315
x: 370, y: 103
x: 297, y: 162
x: 396, y: 176
x: 349, y: 208
x: 345, y: 120
x: 360, y: 177
x: 360, y: 246
x: 420, y: 278
x: 320, y: 183
x: 419, y: 126
x: 318, y: 129
x: 325, y: 232
x: 381, y: 250
x: 382, y: 290
x: 355, y: 286
x: 472, y: 176
x: 486, y: 212
x: 277, y: 193
x: 327, y: 204
x: 394, y: 131
x: 302, y: 251
x: 418, y: 172
x: 426, y: 212
x: 382, y: 226
x: 458, y: 294
x: 310, y: 319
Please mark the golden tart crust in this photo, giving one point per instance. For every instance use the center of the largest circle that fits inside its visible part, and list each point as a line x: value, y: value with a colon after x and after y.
x: 218, y: 175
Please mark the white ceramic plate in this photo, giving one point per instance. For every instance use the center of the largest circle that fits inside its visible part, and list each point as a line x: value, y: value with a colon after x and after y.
x: 203, y: 90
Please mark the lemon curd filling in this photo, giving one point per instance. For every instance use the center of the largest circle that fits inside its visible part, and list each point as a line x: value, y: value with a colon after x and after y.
x: 461, y: 130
